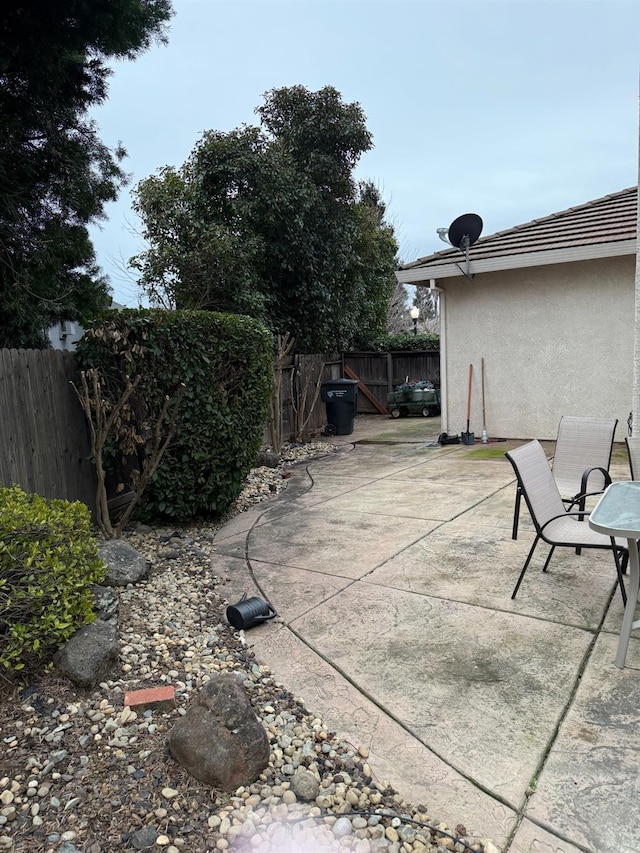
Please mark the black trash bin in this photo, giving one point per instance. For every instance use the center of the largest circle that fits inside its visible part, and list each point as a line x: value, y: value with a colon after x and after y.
x: 340, y: 397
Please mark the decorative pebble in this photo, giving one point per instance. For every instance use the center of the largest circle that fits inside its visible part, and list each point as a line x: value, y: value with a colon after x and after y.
x: 144, y: 838
x: 342, y: 827
x: 169, y: 793
x: 391, y: 834
x: 94, y: 750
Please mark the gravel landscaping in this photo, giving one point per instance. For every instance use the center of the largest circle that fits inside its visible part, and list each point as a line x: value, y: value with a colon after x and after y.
x: 80, y: 772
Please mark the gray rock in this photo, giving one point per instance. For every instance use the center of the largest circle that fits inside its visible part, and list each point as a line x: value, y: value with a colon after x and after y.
x: 267, y: 459
x: 125, y: 565
x: 219, y: 740
x: 305, y: 785
x: 169, y: 554
x: 90, y: 654
x: 342, y: 827
x: 407, y: 834
x: 144, y: 838
x: 107, y: 602
x: 166, y: 533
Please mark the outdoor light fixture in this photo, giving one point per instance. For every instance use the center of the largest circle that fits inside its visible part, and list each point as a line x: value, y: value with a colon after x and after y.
x: 415, y: 313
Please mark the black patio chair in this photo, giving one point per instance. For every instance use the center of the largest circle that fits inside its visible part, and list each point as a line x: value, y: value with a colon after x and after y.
x: 580, y: 462
x: 556, y: 525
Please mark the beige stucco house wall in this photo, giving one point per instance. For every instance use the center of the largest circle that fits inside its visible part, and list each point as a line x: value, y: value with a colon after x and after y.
x: 549, y: 305
x: 556, y: 340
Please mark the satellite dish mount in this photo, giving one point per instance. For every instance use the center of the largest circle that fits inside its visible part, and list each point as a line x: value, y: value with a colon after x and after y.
x: 463, y: 233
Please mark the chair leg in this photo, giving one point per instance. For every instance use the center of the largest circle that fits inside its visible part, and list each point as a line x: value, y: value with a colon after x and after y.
x: 621, y: 568
x: 524, y: 568
x: 549, y: 556
x: 581, y: 505
x: 516, y: 513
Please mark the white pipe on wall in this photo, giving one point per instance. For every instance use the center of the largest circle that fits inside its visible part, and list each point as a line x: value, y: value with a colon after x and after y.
x: 635, y: 402
x: 443, y: 354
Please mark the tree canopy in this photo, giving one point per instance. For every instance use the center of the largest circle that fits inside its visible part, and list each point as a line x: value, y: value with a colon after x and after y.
x: 269, y: 221
x: 55, y: 173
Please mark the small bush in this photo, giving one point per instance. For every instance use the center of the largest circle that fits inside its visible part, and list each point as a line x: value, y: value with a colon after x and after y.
x: 48, y: 560
x: 226, y: 363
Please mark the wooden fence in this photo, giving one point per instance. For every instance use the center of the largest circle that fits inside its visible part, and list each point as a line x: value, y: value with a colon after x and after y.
x: 44, y: 445
x: 302, y: 410
x: 381, y: 372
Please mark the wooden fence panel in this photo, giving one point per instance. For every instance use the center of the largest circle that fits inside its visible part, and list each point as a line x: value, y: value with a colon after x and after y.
x: 311, y: 370
x: 44, y: 444
x: 416, y: 366
x: 381, y: 372
x: 300, y: 405
x: 372, y: 369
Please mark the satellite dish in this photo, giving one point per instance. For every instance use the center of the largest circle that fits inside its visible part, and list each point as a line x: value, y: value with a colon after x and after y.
x: 465, y: 230
x: 463, y: 233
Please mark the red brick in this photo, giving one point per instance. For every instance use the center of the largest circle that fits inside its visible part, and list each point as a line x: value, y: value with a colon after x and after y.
x: 158, y: 698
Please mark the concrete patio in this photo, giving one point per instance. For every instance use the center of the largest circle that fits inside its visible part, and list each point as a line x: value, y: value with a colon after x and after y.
x: 391, y: 565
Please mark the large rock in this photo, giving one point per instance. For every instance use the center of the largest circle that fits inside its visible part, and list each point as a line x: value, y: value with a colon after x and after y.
x: 267, y: 459
x: 125, y: 565
x: 90, y: 654
x: 219, y: 740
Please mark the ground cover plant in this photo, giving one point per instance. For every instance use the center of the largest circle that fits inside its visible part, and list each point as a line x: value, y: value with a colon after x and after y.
x: 48, y: 561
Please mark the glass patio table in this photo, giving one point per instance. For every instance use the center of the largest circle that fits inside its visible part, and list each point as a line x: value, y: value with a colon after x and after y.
x: 617, y: 514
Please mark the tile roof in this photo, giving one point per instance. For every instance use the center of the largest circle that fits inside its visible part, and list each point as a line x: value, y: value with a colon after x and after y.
x: 610, y: 219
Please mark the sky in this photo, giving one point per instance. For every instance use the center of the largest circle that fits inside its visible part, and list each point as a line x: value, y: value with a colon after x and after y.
x: 511, y: 109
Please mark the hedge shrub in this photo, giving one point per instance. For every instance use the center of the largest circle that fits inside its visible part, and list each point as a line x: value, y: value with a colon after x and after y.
x: 226, y: 364
x: 403, y: 342
x: 48, y: 560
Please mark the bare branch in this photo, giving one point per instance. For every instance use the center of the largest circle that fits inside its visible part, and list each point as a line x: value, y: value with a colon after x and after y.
x: 152, y: 460
x: 101, y: 418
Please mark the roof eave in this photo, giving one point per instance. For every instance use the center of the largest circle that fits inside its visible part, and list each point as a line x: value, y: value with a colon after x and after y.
x: 514, y: 262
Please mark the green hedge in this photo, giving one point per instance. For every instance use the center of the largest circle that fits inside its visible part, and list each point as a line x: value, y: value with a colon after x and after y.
x: 403, y: 342
x: 226, y: 364
x: 48, y: 560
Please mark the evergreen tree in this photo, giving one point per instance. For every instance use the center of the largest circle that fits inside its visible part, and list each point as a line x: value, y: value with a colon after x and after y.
x: 55, y: 173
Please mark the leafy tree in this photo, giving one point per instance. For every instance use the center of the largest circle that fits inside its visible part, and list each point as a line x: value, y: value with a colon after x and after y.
x: 269, y: 221
x: 55, y: 173
x: 374, y: 266
x: 202, y: 252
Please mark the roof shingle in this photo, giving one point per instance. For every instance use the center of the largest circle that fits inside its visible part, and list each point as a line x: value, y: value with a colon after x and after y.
x: 610, y: 219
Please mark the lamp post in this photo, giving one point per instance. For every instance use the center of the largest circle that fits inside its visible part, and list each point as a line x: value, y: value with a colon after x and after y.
x: 415, y: 313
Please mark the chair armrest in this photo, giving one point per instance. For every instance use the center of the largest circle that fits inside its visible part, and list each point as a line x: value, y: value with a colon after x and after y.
x: 585, y: 479
x: 580, y: 497
x: 580, y: 513
x: 582, y: 494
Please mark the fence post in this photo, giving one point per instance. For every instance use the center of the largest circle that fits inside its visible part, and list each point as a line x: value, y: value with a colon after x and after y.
x: 389, y: 372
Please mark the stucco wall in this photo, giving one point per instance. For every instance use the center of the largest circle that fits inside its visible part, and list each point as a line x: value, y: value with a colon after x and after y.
x: 556, y: 340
